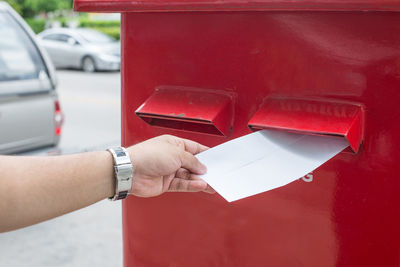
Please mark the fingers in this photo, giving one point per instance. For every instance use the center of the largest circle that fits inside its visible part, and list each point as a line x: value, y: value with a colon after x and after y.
x: 193, y: 147
x: 184, y: 174
x: 191, y: 163
x: 209, y: 190
x: 186, y: 144
x: 183, y: 185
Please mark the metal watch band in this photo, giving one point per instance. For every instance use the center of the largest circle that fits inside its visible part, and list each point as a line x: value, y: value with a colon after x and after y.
x: 123, y: 172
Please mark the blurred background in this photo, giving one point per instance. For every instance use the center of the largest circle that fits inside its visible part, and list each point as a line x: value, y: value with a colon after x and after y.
x: 43, y: 14
x: 60, y: 94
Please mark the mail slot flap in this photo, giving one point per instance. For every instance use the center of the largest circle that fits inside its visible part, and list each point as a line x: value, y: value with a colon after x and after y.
x: 194, y: 110
x: 318, y: 117
x: 237, y: 5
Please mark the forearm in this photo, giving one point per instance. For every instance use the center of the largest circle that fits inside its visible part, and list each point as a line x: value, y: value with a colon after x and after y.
x: 34, y: 189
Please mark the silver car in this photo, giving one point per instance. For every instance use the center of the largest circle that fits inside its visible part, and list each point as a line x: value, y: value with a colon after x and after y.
x: 30, y: 114
x: 81, y: 48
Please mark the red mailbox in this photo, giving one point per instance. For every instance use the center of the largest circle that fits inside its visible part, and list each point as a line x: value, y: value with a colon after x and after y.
x: 213, y: 70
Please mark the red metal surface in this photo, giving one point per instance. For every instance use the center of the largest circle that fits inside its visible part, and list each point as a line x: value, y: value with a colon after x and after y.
x: 237, y: 5
x: 312, y: 116
x: 189, y: 109
x: 348, y: 215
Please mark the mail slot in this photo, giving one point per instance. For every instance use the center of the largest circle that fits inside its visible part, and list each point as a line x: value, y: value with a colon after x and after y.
x: 189, y: 109
x: 312, y: 116
x: 212, y: 71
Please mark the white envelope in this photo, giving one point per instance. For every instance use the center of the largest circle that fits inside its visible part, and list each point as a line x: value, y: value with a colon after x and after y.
x: 265, y: 160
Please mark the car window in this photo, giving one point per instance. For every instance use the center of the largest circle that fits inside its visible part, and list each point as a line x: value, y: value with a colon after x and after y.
x: 92, y: 36
x: 57, y: 37
x: 19, y: 57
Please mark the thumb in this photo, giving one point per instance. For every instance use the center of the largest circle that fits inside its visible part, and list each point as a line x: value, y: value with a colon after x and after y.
x: 191, y: 163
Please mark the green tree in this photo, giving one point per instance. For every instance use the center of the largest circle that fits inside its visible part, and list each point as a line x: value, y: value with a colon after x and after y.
x: 16, y: 4
x: 39, y: 6
x: 30, y: 8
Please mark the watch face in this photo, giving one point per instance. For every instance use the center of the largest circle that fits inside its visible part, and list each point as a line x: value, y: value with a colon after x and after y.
x: 120, y: 154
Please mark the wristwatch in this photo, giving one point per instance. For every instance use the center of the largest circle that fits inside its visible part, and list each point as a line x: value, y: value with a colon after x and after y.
x: 123, y: 172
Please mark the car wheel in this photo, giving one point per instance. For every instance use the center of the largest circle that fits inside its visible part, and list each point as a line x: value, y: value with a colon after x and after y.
x: 88, y: 65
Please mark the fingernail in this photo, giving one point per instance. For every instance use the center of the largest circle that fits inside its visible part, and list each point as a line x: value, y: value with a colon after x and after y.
x: 203, y: 169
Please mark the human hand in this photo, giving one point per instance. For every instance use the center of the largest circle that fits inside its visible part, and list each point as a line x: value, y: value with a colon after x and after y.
x: 167, y: 163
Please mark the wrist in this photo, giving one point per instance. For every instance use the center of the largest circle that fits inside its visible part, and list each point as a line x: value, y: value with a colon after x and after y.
x: 110, y: 184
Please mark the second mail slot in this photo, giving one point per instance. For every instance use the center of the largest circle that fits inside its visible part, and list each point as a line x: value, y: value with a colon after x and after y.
x: 312, y: 116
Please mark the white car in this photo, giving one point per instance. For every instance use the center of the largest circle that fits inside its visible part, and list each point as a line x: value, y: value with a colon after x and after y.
x: 81, y: 48
x: 30, y: 114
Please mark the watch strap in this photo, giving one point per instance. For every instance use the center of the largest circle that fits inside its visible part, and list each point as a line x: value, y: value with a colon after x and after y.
x: 123, y: 170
